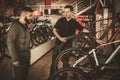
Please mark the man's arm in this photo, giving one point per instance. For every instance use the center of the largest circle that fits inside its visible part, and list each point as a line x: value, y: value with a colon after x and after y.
x: 11, y: 36
x: 63, y: 39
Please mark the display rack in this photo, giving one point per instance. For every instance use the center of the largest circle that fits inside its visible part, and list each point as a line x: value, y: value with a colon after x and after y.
x: 39, y: 51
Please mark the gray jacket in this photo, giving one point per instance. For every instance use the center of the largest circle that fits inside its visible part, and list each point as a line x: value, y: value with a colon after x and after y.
x: 18, y: 41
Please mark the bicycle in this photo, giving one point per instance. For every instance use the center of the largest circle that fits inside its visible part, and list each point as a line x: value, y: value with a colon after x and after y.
x: 41, y: 31
x: 88, y: 70
x: 87, y: 40
x: 82, y: 43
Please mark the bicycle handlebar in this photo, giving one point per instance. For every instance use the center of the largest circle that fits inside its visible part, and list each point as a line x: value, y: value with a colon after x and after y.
x: 74, y: 36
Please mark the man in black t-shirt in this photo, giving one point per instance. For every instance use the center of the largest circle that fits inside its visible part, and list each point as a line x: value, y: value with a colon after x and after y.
x: 64, y: 28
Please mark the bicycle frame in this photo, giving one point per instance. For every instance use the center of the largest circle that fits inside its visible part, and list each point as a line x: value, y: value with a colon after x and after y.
x: 111, y: 26
x: 93, y: 51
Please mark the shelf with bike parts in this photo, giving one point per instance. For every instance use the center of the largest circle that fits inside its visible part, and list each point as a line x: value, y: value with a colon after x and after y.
x: 42, y: 39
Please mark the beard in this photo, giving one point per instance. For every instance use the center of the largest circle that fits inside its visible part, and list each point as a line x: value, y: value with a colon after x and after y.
x: 28, y: 21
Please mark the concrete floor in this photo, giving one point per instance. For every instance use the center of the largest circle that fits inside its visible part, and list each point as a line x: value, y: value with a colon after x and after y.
x: 40, y: 70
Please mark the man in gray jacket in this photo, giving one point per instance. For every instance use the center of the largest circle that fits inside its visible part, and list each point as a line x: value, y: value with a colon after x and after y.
x: 18, y: 42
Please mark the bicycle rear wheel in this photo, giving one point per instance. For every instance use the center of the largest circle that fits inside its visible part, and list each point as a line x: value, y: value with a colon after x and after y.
x: 70, y: 73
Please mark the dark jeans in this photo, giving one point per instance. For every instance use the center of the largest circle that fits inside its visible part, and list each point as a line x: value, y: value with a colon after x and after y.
x: 56, y: 50
x: 21, y: 72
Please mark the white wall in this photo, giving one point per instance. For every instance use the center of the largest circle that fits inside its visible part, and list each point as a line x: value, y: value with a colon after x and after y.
x: 39, y: 51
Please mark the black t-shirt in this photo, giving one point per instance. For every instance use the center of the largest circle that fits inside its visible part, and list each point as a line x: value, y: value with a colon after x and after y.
x: 66, y: 28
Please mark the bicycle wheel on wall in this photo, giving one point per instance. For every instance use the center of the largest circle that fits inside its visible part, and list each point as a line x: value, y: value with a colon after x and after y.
x: 70, y: 73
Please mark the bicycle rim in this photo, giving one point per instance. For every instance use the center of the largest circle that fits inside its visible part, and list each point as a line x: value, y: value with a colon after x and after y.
x: 70, y: 73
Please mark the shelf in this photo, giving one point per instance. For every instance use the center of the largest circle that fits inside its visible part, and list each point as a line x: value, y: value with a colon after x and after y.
x: 39, y: 51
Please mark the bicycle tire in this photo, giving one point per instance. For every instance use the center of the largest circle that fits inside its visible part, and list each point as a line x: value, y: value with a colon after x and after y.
x: 74, y: 54
x: 70, y: 73
x: 34, y: 41
x: 31, y: 45
x: 48, y: 32
x: 32, y: 35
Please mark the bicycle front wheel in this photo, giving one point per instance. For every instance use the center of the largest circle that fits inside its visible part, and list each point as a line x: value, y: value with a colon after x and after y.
x: 69, y: 56
x: 70, y: 73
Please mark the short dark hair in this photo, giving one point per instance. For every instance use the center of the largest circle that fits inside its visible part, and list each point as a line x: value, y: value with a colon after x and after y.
x: 17, y: 11
x: 69, y: 6
x: 26, y: 9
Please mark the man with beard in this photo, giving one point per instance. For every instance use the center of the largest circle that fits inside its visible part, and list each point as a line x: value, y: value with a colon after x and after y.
x: 18, y: 42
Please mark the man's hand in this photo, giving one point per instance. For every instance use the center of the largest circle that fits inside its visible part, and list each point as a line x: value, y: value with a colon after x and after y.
x: 100, y: 41
x: 63, y: 39
x: 16, y: 63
